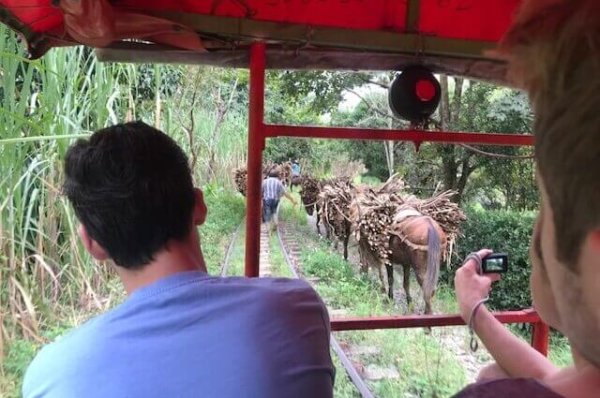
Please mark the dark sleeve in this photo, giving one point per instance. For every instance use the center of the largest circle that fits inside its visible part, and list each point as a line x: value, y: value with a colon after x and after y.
x: 529, y: 388
x: 299, y: 335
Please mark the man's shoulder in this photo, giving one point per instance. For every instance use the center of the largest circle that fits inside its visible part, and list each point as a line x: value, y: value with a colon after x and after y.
x: 63, y: 356
x: 284, y: 296
x: 277, y: 288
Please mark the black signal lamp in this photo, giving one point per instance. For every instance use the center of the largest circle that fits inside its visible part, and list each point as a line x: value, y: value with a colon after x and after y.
x: 414, y: 94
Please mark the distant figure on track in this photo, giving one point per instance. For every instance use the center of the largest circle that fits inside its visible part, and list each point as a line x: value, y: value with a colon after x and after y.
x: 296, y: 174
x: 181, y: 332
x: 296, y: 169
x: 272, y: 192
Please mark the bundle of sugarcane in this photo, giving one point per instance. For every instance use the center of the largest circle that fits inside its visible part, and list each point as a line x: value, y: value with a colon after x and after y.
x: 309, y: 193
x: 334, y: 203
x: 394, y: 185
x: 241, y: 175
x: 372, y: 214
x: 268, y: 167
x: 240, y: 178
x: 441, y: 209
x: 335, y: 180
x: 285, y: 173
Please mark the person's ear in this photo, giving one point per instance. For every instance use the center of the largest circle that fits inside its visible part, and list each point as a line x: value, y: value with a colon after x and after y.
x: 92, y: 247
x: 199, y: 208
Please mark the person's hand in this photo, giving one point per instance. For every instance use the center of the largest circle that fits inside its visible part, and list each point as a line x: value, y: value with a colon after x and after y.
x: 470, y: 286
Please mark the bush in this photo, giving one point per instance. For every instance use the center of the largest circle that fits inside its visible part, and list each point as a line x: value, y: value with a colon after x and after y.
x: 502, y: 231
x: 225, y: 212
x: 338, y: 283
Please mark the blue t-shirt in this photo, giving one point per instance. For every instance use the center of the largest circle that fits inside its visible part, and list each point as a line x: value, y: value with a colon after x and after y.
x: 194, y: 335
x: 295, y: 169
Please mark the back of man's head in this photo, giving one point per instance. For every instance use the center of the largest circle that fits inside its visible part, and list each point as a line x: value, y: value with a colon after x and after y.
x: 554, y: 53
x: 274, y: 172
x: 554, y: 49
x: 132, y: 190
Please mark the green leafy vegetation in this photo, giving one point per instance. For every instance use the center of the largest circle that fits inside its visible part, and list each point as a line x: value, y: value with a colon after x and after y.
x: 225, y: 212
x: 502, y: 231
x: 426, y: 368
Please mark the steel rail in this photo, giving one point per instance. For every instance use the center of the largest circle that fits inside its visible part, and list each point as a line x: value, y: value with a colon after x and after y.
x: 358, y: 381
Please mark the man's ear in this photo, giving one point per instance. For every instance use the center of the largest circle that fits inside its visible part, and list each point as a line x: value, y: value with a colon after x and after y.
x: 200, y: 209
x: 93, y: 247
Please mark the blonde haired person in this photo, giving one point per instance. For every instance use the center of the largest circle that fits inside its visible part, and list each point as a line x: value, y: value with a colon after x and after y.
x: 553, y: 50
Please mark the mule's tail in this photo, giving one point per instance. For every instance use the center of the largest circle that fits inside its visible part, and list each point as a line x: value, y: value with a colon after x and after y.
x: 433, y: 261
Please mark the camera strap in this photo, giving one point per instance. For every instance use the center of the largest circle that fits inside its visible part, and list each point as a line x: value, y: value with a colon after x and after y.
x: 473, y: 344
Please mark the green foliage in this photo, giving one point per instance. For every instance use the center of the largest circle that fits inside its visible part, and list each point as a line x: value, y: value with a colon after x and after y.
x: 369, y: 180
x: 502, y: 231
x: 320, y: 91
x: 371, y: 153
x: 13, y: 367
x: 283, y: 149
x: 327, y: 266
x: 167, y: 78
x: 426, y: 368
x: 225, y: 212
x: 295, y: 214
x: 560, y: 350
x: 487, y: 108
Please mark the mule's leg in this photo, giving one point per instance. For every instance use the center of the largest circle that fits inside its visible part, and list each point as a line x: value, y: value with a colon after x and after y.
x: 318, y: 218
x: 382, y: 279
x: 390, y: 274
x: 346, y: 237
x: 420, y: 279
x: 420, y: 273
x: 406, y: 284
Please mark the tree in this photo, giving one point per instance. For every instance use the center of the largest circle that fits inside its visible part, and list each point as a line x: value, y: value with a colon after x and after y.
x: 465, y: 106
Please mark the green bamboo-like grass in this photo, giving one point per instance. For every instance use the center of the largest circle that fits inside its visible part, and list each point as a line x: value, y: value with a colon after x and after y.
x: 46, y: 278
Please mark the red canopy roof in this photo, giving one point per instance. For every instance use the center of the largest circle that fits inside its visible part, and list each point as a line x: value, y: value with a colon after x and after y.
x: 455, y: 28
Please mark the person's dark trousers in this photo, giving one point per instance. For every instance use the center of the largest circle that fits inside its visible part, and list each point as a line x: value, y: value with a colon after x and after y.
x: 269, y: 209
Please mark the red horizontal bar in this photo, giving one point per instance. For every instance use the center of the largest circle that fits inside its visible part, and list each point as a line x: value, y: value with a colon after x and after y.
x: 420, y: 321
x: 416, y: 136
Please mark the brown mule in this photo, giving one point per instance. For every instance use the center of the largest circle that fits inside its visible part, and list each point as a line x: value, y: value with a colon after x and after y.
x: 419, y: 242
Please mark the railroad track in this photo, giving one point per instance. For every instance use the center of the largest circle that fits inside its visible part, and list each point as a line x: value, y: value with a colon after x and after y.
x: 289, y: 250
x: 225, y: 267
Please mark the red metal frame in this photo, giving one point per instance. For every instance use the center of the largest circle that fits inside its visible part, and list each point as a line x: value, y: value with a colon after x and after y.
x: 539, y: 339
x: 258, y: 131
x: 415, y: 136
x: 256, y: 144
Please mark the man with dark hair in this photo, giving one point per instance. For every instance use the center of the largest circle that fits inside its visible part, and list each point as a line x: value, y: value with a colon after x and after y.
x: 181, y: 332
x: 272, y: 191
x: 553, y: 50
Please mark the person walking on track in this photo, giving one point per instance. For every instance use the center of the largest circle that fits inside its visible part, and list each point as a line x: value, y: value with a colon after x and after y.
x: 272, y: 191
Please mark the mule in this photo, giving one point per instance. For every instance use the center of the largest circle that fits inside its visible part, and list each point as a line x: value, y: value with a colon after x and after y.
x: 417, y: 242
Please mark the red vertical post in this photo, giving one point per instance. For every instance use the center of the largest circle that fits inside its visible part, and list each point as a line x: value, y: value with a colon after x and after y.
x: 256, y: 144
x: 540, y: 336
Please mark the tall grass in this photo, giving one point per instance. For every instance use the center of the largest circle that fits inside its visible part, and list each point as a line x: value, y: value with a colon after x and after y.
x: 45, y: 275
x: 43, y: 106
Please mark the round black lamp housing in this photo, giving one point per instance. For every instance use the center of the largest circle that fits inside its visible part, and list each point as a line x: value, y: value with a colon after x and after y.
x: 414, y: 94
